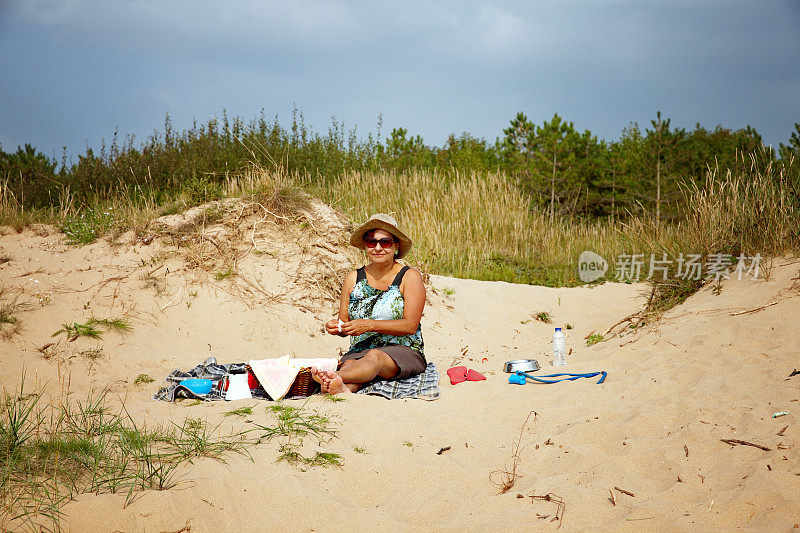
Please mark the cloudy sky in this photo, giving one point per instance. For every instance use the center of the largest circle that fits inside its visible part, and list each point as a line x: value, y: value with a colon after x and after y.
x: 73, y: 71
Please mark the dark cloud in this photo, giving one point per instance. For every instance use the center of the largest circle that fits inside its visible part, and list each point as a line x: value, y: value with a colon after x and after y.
x: 75, y: 70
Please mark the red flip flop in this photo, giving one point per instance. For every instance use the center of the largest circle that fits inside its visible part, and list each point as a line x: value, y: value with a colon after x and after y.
x: 458, y: 374
x: 474, y: 375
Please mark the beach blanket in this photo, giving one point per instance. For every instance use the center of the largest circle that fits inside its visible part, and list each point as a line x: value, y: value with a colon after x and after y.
x: 425, y: 386
x: 208, y: 369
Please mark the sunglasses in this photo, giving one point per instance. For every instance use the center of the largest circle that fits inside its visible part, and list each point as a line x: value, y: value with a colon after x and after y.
x: 384, y: 242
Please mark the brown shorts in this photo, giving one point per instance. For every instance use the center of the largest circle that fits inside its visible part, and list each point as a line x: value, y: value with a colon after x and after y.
x: 410, y: 361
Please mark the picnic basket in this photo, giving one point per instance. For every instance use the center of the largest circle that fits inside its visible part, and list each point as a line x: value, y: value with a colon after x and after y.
x: 303, y: 385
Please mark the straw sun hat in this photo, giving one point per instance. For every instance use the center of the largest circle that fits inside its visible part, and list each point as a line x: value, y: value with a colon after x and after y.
x: 386, y: 223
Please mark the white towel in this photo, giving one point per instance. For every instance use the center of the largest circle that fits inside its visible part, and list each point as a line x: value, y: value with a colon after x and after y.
x: 277, y: 375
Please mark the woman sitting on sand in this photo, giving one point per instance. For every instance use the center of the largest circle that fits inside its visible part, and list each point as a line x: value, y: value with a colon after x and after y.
x: 380, y: 309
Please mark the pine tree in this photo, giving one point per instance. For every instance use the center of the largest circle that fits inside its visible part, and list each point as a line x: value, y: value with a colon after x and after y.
x: 792, y: 149
x: 557, y: 145
x: 516, y: 149
x: 663, y: 152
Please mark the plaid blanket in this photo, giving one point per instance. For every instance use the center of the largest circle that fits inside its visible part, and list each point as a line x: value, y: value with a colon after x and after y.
x: 208, y: 369
x: 425, y: 386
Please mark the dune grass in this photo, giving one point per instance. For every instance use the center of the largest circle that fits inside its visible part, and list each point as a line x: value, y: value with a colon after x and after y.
x: 10, y: 309
x: 752, y: 214
x: 294, y: 424
x: 241, y: 411
x: 472, y: 226
x: 90, y: 328
x: 143, y: 379
x: 53, y: 450
x: 481, y: 227
x: 477, y: 225
x: 7, y: 314
x: 594, y: 338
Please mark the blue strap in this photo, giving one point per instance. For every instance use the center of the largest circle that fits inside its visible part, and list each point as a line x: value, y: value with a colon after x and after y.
x: 572, y: 377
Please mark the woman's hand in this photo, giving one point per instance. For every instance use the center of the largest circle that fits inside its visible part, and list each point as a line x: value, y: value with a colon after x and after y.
x: 332, y: 327
x: 357, y: 327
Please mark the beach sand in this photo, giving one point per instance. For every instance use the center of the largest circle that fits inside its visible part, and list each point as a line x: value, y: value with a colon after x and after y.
x: 674, y: 389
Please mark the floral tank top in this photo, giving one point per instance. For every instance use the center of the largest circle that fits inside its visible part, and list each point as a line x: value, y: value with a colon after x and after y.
x: 368, y: 302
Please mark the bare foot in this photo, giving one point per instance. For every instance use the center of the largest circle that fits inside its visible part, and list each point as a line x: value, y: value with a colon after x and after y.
x: 320, y: 378
x: 336, y: 385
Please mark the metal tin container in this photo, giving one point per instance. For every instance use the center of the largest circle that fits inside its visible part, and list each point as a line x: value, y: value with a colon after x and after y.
x: 521, y: 365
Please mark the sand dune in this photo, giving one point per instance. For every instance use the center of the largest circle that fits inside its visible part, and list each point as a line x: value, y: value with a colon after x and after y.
x: 674, y: 389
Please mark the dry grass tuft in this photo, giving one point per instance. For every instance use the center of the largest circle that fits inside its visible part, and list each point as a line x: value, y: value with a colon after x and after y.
x: 268, y: 219
x: 10, y: 307
x: 508, y: 477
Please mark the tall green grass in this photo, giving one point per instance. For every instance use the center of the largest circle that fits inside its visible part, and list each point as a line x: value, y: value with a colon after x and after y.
x: 465, y: 224
x: 472, y: 226
x: 753, y: 213
x: 482, y: 227
x: 52, y: 451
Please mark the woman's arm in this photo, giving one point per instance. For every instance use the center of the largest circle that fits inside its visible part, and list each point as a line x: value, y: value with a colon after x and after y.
x: 413, y: 304
x: 332, y: 326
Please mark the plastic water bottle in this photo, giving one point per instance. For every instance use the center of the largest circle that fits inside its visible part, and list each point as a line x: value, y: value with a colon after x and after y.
x: 559, y: 346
